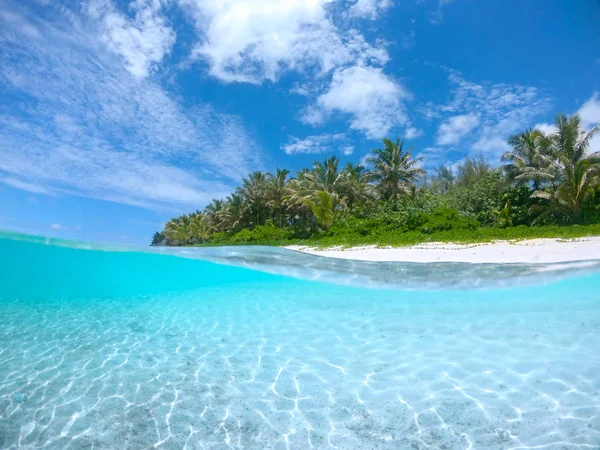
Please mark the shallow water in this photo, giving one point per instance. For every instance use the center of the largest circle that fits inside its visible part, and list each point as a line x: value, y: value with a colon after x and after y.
x: 127, y: 350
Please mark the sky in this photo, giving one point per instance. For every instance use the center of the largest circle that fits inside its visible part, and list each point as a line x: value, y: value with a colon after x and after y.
x: 118, y: 115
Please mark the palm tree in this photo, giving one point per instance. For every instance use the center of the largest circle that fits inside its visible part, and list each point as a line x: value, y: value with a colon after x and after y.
x: 214, y: 212
x: 394, y: 170
x: 177, y: 229
x: 233, y: 212
x: 528, y: 161
x: 276, y: 192
x: 579, y: 183
x: 356, y: 184
x: 570, y: 167
x: 324, y: 205
x: 200, y: 228
x: 570, y: 140
x: 326, y: 176
x: 299, y: 191
x: 254, y: 190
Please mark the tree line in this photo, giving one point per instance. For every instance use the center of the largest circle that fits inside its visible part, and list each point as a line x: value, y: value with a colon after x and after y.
x: 544, y: 179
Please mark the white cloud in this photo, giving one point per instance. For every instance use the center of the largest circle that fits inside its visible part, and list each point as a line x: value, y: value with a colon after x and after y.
x: 24, y: 186
x: 491, y: 145
x: 19, y: 25
x: 253, y: 41
x: 141, y: 42
x: 371, y: 98
x: 369, y: 9
x: 502, y: 109
x: 412, y: 133
x: 590, y: 112
x: 435, y: 156
x: 590, y: 117
x: 545, y: 128
x: 256, y: 40
x: 85, y: 126
x: 56, y: 226
x: 455, y: 128
x: 320, y: 144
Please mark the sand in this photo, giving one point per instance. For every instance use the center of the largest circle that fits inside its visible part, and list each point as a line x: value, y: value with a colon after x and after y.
x: 527, y: 251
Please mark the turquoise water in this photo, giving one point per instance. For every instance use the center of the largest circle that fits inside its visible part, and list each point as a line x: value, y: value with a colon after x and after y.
x: 130, y: 350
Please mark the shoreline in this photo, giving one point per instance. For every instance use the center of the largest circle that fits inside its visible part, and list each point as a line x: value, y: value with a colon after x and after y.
x: 543, y: 251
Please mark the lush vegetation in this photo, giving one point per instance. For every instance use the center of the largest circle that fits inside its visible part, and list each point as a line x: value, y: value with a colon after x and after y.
x: 544, y: 185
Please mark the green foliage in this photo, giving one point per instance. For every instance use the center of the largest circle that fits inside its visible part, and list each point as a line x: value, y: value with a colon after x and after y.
x: 480, y: 199
x: 157, y: 238
x: 446, y: 219
x: 519, y: 200
x: 457, y: 235
x: 261, y: 234
x: 545, y: 181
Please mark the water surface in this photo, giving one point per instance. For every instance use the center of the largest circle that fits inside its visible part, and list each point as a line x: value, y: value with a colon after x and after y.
x: 110, y: 349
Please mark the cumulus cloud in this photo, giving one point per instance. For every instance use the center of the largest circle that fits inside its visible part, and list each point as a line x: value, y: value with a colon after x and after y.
x: 141, y: 42
x: 590, y: 117
x: 256, y: 40
x: 371, y: 99
x: 320, y: 144
x: 412, y: 133
x: 545, y: 128
x: 590, y: 111
x: 455, y: 128
x: 85, y: 126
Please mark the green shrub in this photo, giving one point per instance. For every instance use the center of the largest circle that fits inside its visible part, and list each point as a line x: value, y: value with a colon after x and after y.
x: 445, y: 219
x: 260, y: 234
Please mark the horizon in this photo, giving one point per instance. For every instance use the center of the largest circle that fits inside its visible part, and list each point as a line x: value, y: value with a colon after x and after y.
x: 120, y: 115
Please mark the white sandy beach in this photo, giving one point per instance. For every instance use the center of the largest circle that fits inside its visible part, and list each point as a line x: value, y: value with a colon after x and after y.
x: 528, y: 251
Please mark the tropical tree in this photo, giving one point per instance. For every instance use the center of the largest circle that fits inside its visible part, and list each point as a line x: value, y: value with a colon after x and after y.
x: 254, y: 189
x: 276, y: 193
x: 574, y: 172
x: 324, y: 205
x: 200, y: 228
x: 579, y: 183
x: 443, y: 180
x: 176, y: 229
x: 305, y: 191
x: 570, y: 140
x: 394, y: 170
x: 356, y: 185
x: 529, y: 159
x: 471, y: 171
x: 214, y: 211
x: 233, y: 212
x: 326, y: 176
x: 157, y: 238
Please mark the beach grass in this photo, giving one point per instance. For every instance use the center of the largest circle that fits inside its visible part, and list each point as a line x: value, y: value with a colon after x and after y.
x: 347, y: 238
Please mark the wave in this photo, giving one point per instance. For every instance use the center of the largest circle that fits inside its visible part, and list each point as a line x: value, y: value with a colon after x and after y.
x: 383, y: 275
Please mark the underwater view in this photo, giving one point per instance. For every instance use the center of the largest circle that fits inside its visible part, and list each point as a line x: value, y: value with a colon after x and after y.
x: 118, y: 349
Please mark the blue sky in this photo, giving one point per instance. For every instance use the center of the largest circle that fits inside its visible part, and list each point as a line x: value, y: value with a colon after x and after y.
x: 117, y: 115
